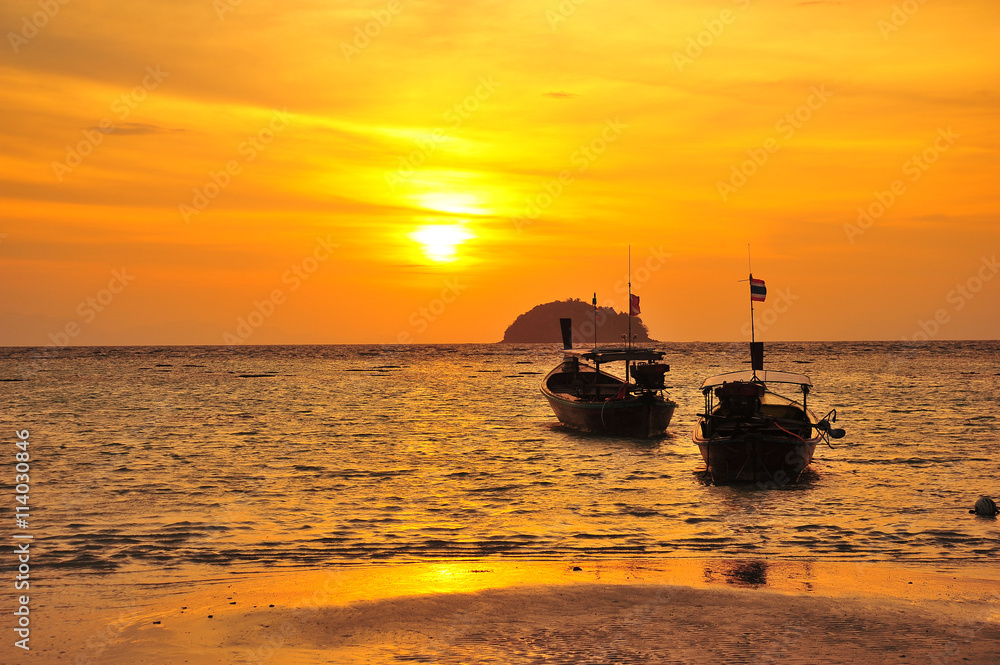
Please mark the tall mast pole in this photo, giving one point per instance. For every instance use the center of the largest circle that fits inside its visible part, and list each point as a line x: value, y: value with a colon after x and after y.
x: 595, y: 320
x: 750, y: 268
x: 628, y: 363
x: 629, y: 296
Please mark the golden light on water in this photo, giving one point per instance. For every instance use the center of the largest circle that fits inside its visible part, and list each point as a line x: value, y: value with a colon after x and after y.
x: 440, y: 242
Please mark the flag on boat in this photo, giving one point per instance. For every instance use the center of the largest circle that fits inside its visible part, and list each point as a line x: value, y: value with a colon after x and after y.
x: 634, y: 305
x: 757, y: 290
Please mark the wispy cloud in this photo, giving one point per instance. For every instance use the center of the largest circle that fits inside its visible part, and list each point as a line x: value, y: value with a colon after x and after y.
x: 135, y: 128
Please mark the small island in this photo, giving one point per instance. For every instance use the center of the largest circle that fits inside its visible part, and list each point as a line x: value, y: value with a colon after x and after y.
x: 541, y: 324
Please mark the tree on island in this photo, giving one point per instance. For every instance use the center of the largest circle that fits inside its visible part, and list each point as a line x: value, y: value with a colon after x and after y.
x: 541, y: 324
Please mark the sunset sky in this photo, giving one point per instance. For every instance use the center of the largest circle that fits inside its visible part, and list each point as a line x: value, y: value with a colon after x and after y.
x: 255, y: 171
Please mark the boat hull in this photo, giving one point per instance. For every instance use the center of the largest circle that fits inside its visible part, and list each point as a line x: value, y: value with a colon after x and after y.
x: 643, y: 416
x: 755, y: 458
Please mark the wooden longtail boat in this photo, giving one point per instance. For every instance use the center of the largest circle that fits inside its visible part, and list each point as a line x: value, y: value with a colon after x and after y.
x: 750, y: 432
x: 585, y: 397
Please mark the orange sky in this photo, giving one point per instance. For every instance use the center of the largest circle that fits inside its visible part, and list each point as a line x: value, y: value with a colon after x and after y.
x: 170, y: 169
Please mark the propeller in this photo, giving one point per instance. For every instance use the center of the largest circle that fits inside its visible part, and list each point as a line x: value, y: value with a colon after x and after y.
x: 827, y: 430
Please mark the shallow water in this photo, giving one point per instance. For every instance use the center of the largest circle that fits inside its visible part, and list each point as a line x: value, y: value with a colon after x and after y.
x: 153, y: 459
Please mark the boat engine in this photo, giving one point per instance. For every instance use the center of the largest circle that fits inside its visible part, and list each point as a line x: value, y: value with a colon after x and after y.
x: 740, y: 399
x: 650, y: 376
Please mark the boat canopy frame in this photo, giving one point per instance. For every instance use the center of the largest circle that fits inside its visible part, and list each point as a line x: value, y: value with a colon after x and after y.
x: 760, y: 377
x: 606, y: 354
x: 603, y: 355
x: 756, y: 376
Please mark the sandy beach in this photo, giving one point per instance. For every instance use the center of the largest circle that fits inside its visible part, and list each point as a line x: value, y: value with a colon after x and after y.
x: 502, y: 611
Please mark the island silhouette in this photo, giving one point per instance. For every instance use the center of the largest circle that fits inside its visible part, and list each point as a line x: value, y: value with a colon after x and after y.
x: 540, y: 324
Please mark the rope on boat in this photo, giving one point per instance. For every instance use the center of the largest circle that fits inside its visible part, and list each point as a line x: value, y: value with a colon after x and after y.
x: 792, y: 433
x: 622, y: 393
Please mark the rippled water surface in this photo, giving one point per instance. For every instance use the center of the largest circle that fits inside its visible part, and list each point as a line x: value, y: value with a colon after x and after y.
x: 159, y: 458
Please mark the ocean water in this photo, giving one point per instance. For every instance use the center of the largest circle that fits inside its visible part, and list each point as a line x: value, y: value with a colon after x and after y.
x: 200, y: 460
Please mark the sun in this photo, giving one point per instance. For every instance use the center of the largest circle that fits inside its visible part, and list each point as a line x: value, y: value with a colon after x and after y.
x: 457, y: 203
x: 440, y: 241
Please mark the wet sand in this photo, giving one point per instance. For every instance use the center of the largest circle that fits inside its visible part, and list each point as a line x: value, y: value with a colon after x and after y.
x: 664, y: 611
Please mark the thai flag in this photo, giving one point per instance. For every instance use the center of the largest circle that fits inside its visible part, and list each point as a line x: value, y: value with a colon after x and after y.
x: 757, y: 290
x: 634, y: 305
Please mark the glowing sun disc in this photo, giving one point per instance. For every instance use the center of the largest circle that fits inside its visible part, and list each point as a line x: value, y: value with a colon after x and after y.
x: 440, y: 241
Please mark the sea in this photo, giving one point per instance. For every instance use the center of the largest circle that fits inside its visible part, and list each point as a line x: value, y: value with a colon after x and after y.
x: 192, y: 462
